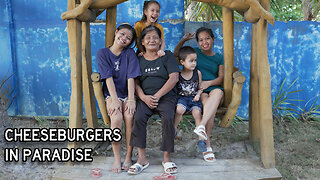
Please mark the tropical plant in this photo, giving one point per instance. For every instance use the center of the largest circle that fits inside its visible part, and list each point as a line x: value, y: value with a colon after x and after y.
x: 282, y: 106
x: 310, y: 113
x: 237, y: 121
x: 43, y: 122
x: 283, y: 10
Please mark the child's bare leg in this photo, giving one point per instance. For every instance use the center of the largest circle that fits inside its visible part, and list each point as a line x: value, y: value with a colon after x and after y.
x: 116, y: 122
x: 255, y: 7
x: 178, y: 116
x: 128, y: 121
x: 196, y: 113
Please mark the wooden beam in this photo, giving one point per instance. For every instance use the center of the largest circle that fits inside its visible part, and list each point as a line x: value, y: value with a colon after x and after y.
x: 228, y: 54
x: 111, y: 23
x: 265, y: 105
x: 74, y: 40
x: 88, y: 96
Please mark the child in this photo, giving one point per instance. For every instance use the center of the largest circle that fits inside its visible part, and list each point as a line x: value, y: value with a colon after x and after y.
x: 189, y: 90
x: 151, y: 12
x: 118, y: 66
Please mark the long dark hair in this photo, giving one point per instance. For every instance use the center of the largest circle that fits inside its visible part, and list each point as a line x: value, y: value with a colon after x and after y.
x: 204, y: 29
x: 146, y: 6
x: 133, y: 31
x: 145, y: 31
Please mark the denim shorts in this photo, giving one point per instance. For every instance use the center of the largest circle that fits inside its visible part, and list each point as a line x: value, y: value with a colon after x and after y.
x: 188, y: 104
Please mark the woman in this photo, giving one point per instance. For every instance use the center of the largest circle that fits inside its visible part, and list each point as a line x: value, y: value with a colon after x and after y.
x: 118, y: 66
x: 156, y: 94
x: 211, y: 66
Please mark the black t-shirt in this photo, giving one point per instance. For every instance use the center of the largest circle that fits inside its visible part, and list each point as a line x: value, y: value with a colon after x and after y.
x: 155, y: 73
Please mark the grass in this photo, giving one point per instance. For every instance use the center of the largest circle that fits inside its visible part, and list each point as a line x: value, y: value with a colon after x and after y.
x: 43, y: 122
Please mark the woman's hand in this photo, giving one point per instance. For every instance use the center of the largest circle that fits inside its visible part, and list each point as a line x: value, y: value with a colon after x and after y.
x: 130, y: 106
x: 205, y: 84
x: 114, y: 107
x: 188, y: 36
x: 151, y: 101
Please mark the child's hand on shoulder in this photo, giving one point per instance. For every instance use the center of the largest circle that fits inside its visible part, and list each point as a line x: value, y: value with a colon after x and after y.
x: 161, y: 53
x: 141, y: 53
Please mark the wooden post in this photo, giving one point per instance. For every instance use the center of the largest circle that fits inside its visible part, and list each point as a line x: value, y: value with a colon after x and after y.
x: 88, y: 96
x: 228, y: 54
x: 74, y: 40
x: 254, y: 125
x: 265, y: 105
x: 111, y: 23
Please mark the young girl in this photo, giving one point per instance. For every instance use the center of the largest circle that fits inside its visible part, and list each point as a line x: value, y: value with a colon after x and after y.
x: 151, y: 12
x: 118, y: 66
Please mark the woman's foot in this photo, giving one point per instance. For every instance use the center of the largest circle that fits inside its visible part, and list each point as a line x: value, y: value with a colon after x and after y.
x: 208, y: 155
x: 126, y: 164
x: 116, y: 167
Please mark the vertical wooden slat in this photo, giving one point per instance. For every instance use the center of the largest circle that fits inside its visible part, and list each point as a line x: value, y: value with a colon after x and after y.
x: 228, y: 54
x: 254, y: 125
x: 111, y: 23
x: 265, y: 105
x: 88, y: 96
x: 74, y: 40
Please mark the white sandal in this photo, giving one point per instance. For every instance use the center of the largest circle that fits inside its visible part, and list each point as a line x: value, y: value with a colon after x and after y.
x: 137, y: 168
x: 209, y: 154
x: 201, y: 131
x: 170, y: 165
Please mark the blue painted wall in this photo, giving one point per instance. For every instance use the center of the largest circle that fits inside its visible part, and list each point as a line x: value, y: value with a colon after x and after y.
x: 39, y: 44
x: 293, y: 52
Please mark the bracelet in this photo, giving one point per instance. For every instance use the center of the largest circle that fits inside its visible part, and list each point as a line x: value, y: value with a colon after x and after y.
x: 129, y: 100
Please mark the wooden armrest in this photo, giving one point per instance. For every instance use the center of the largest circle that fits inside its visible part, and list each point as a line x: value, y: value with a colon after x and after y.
x: 235, y: 101
x: 95, y: 77
x: 97, y: 89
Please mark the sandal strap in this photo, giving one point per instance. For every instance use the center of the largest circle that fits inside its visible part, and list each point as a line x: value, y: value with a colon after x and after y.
x: 136, y: 166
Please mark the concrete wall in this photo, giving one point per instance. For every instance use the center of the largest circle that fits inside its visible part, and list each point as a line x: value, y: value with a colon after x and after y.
x: 34, y: 44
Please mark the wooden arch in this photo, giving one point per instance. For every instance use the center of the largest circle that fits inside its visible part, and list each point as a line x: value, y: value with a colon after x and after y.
x: 81, y: 12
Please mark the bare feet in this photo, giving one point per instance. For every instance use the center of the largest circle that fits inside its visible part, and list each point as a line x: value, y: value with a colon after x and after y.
x: 116, y: 167
x: 126, y: 164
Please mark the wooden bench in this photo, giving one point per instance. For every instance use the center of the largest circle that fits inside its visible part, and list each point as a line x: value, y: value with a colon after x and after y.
x: 227, y: 113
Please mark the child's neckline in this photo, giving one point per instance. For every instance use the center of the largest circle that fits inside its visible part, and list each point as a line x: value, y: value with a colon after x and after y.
x: 192, y: 72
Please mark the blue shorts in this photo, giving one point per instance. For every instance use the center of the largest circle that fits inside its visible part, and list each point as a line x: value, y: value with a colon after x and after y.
x: 188, y: 104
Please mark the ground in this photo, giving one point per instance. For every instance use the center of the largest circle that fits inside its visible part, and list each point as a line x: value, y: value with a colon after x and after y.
x: 296, y: 147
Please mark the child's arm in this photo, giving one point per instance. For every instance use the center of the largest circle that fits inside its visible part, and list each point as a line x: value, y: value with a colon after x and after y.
x: 131, y: 102
x: 161, y: 51
x: 198, y: 95
x: 115, y: 105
